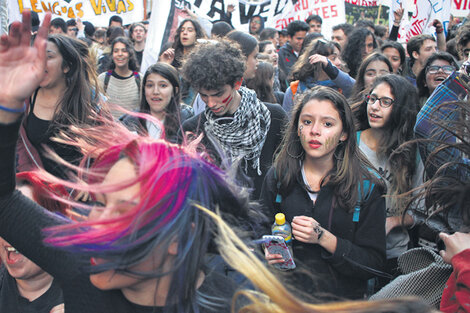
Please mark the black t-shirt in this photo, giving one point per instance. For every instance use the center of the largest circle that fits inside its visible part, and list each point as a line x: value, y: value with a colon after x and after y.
x: 139, y: 55
x: 12, y: 302
x: 39, y: 133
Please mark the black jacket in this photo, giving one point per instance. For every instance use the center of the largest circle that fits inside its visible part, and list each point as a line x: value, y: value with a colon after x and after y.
x: 287, y: 58
x: 362, y: 242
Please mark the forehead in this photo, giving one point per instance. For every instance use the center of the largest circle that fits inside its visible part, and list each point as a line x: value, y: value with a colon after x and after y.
x: 139, y: 28
x: 214, y: 92
x: 428, y: 43
x: 439, y: 62
x: 156, y: 77
x: 316, y: 107
x: 187, y: 24
x: 52, y: 47
x: 338, y: 32
x: 383, y: 89
x: 377, y: 65
x: 119, y: 45
x: 391, y: 51
x: 300, y: 34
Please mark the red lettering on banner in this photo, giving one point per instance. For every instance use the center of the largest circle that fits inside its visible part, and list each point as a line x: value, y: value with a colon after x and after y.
x: 462, y: 4
x: 304, y: 4
x: 334, y: 11
x: 325, y: 12
x: 297, y: 6
x: 317, y: 11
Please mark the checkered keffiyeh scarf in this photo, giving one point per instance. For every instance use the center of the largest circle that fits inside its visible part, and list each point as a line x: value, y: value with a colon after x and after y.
x: 243, y: 136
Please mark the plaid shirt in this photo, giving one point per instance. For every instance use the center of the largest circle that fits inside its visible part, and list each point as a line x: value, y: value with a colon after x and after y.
x: 434, y: 112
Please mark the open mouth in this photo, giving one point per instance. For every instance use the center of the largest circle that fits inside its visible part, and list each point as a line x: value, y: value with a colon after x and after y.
x: 13, y: 255
x: 374, y: 115
x: 439, y: 79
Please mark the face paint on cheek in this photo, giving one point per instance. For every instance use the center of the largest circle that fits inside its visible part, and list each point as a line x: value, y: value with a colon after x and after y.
x: 227, y: 100
x: 331, y: 141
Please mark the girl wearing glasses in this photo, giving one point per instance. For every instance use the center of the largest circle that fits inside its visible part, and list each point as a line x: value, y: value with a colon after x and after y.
x: 385, y: 120
x: 437, y: 68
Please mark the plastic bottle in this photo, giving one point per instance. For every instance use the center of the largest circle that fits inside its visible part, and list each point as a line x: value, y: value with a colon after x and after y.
x: 282, y: 228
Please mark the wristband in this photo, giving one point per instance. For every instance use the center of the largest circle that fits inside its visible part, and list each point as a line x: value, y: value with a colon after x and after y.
x: 439, y: 30
x: 13, y: 110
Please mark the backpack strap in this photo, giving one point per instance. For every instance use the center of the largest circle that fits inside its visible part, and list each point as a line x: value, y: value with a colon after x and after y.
x: 107, y: 77
x: 137, y: 79
x: 358, y: 137
x: 278, y: 199
x: 364, y: 191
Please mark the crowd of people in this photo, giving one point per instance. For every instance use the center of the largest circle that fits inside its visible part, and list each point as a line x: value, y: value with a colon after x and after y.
x: 129, y: 191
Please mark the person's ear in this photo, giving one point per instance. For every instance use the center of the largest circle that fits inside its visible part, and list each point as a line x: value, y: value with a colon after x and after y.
x: 343, y: 137
x: 238, y: 84
x: 415, y: 55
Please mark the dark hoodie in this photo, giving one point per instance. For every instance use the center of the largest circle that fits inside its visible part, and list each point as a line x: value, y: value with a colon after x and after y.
x: 261, y: 28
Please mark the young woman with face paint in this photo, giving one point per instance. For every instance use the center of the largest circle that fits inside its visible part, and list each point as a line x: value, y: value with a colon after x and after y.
x: 317, y: 174
x: 386, y: 119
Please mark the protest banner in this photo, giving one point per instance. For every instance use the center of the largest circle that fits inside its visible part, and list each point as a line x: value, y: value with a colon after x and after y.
x: 97, y: 12
x: 460, y: 8
x: 425, y: 11
x: 166, y: 16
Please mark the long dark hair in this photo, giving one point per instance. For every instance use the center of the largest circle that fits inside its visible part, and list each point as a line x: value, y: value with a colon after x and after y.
x: 79, y: 101
x: 448, y: 189
x: 359, y: 89
x: 178, y: 46
x: 172, y: 116
x: 398, y: 130
x: 302, y: 69
x: 261, y: 83
x: 423, y: 90
x: 130, y: 49
x: 352, y: 53
x: 350, y: 166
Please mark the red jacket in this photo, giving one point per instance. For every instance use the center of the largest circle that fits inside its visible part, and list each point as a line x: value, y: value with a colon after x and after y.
x: 456, y: 295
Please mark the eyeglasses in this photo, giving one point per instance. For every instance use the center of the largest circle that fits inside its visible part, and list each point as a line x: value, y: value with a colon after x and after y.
x: 256, y: 22
x: 448, y: 69
x: 385, y: 102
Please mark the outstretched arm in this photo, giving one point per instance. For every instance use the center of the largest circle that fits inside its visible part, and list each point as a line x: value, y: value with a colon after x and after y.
x: 22, y: 65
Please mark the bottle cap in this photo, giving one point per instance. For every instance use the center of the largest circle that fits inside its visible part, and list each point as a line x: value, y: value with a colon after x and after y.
x: 280, y: 218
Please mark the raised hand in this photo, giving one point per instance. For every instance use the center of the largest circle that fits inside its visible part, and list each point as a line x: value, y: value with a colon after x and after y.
x: 318, y: 58
x: 398, y: 15
x: 168, y: 56
x: 22, y: 65
x: 455, y: 244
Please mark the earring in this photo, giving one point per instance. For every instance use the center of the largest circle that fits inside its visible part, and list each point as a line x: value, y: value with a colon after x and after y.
x: 294, y: 156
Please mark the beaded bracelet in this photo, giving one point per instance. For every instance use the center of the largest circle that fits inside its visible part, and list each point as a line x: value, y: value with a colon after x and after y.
x: 13, y: 110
